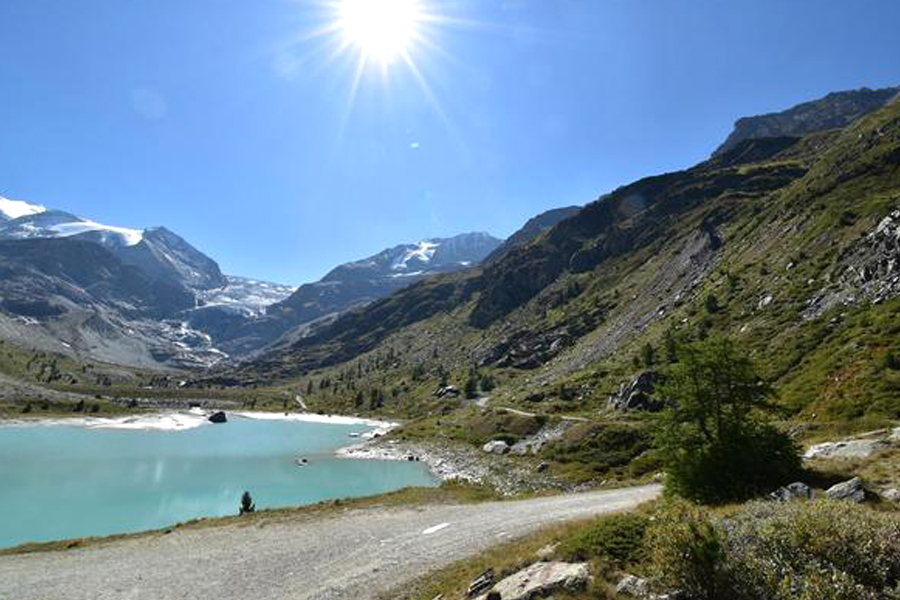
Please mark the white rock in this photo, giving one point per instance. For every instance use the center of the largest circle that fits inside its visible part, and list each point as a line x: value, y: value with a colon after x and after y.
x: 496, y: 447
x: 541, y: 579
x: 846, y: 449
x: 892, y: 495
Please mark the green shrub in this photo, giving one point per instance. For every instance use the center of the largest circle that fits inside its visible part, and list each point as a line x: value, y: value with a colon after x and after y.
x: 601, y: 446
x: 617, y: 539
x: 820, y: 550
x: 686, y: 553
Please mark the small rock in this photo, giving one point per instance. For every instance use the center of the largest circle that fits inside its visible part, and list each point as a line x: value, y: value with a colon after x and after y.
x: 450, y: 391
x: 851, y: 490
x: 631, y: 585
x: 541, y: 579
x: 218, y: 417
x: 496, y: 447
x: 892, y: 495
x: 794, y: 491
x: 481, y: 583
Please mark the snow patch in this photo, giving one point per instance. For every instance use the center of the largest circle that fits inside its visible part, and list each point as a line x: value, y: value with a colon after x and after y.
x: 130, y: 237
x: 422, y: 252
x: 14, y: 209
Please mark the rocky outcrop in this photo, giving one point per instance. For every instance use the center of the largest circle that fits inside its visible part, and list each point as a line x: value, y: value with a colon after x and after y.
x: 869, y: 270
x: 637, y: 394
x: 793, y: 491
x: 835, y: 110
x: 851, y: 490
x: 845, y: 449
x: 541, y: 579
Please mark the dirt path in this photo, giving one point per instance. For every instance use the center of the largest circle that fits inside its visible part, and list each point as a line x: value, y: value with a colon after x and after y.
x: 353, y: 554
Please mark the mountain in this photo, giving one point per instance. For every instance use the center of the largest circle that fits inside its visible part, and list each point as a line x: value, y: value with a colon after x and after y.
x: 534, y: 227
x: 834, y: 111
x: 360, y: 282
x: 157, y: 251
x: 787, y: 244
x: 156, y: 301
x: 108, y: 293
x: 352, y: 285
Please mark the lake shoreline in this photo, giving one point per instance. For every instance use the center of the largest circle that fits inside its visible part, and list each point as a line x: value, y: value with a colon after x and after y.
x: 180, y: 420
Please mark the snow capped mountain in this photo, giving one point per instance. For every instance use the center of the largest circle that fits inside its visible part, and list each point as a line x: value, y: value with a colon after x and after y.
x: 13, y: 209
x: 38, y: 222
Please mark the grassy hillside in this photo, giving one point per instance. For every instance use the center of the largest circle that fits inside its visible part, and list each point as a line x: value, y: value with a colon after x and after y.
x: 784, y: 244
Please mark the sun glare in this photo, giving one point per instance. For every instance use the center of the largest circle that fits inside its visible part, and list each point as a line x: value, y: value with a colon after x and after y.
x: 382, y: 29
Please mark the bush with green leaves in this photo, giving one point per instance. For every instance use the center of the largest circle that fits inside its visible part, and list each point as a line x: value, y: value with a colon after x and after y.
x: 617, y: 539
x: 716, y: 443
x: 818, y: 550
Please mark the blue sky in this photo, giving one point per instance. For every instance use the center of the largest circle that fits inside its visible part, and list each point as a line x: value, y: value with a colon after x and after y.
x: 225, y: 121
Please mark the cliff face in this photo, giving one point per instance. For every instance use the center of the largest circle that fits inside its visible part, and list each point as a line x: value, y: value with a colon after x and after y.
x: 835, y: 110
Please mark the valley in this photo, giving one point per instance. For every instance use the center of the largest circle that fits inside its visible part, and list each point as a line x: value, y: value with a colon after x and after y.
x: 530, y: 366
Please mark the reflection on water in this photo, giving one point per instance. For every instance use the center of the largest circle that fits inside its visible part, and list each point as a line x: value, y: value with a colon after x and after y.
x: 60, y: 482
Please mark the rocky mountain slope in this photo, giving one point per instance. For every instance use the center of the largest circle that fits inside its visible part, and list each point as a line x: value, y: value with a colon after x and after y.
x: 108, y: 293
x: 352, y: 285
x: 534, y: 227
x: 783, y: 243
x: 148, y: 298
x: 834, y: 111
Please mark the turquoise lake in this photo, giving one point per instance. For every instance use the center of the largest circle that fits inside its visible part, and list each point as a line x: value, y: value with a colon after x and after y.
x: 62, y: 481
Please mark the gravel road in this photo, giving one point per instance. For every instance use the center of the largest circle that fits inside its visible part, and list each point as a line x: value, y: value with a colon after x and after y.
x: 352, y: 554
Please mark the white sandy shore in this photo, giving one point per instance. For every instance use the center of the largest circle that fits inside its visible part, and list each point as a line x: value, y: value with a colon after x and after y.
x: 190, y: 419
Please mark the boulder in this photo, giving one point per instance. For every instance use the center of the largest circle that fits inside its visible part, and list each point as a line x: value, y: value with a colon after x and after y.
x: 793, y: 491
x: 496, y: 447
x: 636, y: 394
x: 448, y: 391
x: 851, y: 490
x: 542, y: 579
x: 218, y: 417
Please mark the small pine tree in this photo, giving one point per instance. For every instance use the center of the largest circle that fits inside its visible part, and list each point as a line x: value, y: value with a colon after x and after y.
x: 712, y: 304
x: 247, y: 505
x: 471, y: 388
x: 716, y: 443
x: 671, y: 345
x: 648, y: 355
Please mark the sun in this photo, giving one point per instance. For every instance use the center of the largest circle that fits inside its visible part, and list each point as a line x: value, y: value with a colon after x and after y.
x: 381, y: 29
